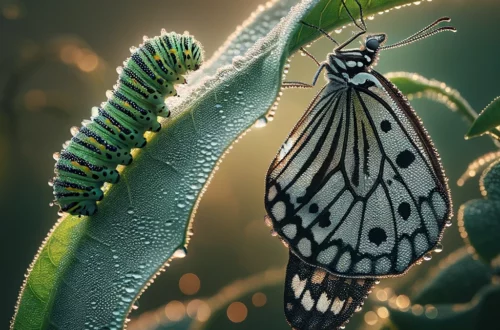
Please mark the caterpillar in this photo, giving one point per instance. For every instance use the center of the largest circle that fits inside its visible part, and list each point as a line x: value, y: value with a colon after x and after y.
x: 91, y: 157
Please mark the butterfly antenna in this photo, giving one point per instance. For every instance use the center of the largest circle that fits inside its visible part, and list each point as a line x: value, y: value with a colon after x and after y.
x: 423, y: 34
x: 320, y: 30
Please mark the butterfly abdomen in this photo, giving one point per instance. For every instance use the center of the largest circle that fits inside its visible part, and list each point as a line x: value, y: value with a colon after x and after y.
x: 90, y: 158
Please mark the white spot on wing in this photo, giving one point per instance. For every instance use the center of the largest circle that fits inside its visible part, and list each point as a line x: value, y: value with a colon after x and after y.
x: 404, y: 255
x: 421, y: 245
x: 344, y: 262
x: 298, y: 286
x: 290, y: 231
x: 337, y: 305
x: 326, y: 256
x: 307, y: 301
x: 439, y: 205
x: 323, y: 303
x: 304, y: 247
x: 363, y: 266
x: 271, y: 194
x: 430, y: 222
x: 382, y: 265
x: 279, y: 210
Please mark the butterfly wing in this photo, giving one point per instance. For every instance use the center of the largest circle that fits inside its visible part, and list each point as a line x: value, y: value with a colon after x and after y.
x: 357, y: 189
x: 317, y: 300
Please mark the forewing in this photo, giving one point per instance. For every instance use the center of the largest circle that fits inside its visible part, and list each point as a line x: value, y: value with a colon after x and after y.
x: 357, y: 189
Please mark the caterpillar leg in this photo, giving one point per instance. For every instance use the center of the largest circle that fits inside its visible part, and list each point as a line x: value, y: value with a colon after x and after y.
x: 85, y: 207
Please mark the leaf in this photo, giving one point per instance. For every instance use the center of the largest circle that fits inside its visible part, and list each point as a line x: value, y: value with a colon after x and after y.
x: 459, y: 278
x: 479, y: 313
x: 414, y: 85
x: 479, y: 219
x: 105, y: 262
x: 487, y: 120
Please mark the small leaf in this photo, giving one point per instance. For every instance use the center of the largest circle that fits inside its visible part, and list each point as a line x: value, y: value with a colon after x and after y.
x: 487, y: 120
x: 457, y: 282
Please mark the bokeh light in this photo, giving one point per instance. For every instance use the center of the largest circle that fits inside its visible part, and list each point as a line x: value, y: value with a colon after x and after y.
x: 259, y: 299
x: 371, y: 318
x: 431, y: 312
x: 383, y: 312
x: 237, y: 312
x: 189, y: 284
x: 175, y: 310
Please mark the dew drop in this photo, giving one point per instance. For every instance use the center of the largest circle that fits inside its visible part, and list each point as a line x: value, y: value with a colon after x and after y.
x: 180, y: 253
x: 448, y: 223
x: 427, y: 256
x: 438, y: 248
x: 261, y: 122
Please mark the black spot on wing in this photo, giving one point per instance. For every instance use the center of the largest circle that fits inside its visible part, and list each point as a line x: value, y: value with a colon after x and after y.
x: 385, y: 125
x: 405, y: 158
x: 377, y: 236
x: 313, y: 208
x: 324, y: 220
x: 404, y: 210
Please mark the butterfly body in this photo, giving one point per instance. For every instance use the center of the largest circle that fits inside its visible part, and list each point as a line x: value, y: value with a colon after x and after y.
x: 357, y: 191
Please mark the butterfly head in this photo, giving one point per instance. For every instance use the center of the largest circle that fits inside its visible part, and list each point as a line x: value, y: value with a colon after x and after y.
x: 374, y: 42
x: 372, y: 47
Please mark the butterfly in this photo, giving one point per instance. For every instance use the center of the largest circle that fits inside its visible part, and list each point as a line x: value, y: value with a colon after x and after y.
x: 357, y: 191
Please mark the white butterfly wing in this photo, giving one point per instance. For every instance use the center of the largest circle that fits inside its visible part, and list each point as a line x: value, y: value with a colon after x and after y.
x: 358, y: 188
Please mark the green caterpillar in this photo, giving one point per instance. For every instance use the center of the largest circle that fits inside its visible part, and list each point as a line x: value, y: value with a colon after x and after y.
x: 90, y: 158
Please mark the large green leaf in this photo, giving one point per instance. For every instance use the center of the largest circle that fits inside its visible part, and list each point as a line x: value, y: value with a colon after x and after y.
x: 89, y: 271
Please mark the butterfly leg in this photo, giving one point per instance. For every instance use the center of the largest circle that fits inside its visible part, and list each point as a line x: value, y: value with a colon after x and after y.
x: 295, y: 84
x: 298, y: 84
x: 311, y: 56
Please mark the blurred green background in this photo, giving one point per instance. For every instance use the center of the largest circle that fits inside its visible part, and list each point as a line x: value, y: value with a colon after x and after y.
x: 58, y: 58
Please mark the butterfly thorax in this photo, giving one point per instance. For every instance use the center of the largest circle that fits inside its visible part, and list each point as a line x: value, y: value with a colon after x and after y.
x: 353, y: 66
